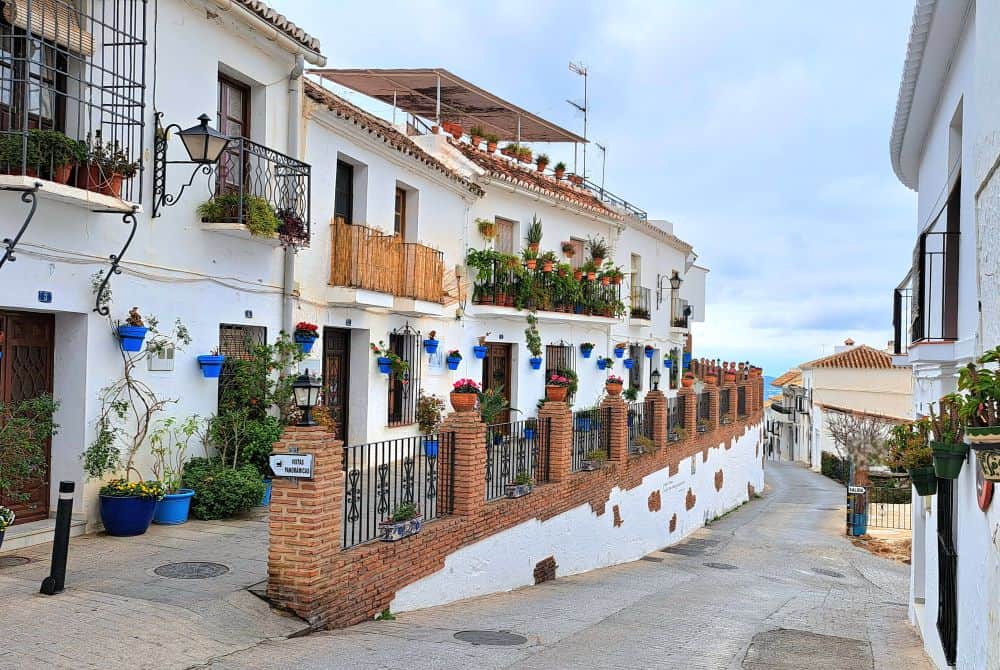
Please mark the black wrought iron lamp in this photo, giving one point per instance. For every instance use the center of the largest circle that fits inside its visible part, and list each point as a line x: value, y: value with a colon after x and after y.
x: 204, y: 147
x: 306, y: 390
x: 675, y: 281
x: 654, y: 377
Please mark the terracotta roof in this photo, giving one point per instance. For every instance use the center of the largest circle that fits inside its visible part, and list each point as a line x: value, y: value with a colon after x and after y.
x: 282, y: 23
x: 385, y: 131
x: 792, y: 376
x: 861, y: 356
x: 499, y: 167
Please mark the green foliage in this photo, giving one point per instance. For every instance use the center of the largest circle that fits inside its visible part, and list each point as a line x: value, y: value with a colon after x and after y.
x: 598, y: 247
x: 44, y: 150
x: 598, y: 455
x: 385, y: 615
x: 572, y: 378
x: 630, y: 394
x: 221, y: 491
x: 948, y: 423
x: 523, y: 478
x: 534, y: 232
x: 25, y: 428
x: 533, y: 340
x: 404, y: 512
x: 560, y: 167
x: 258, y: 215
x: 430, y: 411
x: 908, y: 446
x: 834, y: 467
x: 110, y: 157
x: 169, y: 441
x: 399, y: 367
x: 979, y: 402
x: 492, y: 404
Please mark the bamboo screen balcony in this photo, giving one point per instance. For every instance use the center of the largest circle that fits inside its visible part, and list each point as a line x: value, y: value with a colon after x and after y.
x: 366, y: 258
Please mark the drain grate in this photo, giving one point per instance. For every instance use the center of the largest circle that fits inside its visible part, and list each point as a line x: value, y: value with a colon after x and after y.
x: 828, y: 573
x: 13, y: 561
x: 720, y: 566
x: 492, y: 638
x: 191, y: 570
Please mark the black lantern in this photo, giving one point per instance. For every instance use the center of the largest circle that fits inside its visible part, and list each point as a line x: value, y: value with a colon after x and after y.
x: 675, y: 281
x: 306, y: 391
x: 204, y: 145
x: 654, y: 377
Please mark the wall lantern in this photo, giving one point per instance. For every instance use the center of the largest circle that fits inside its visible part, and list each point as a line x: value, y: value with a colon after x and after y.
x: 654, y: 377
x: 675, y: 281
x: 204, y: 147
x: 306, y: 391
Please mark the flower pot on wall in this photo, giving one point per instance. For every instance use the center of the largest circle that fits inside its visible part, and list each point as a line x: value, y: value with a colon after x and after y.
x: 536, y: 363
x: 619, y: 352
x: 602, y: 364
x: 173, y: 508
x: 924, y: 480
x: 463, y: 402
x: 431, y: 445
x: 586, y: 352
x: 131, y: 337
x: 629, y: 363
x: 431, y: 346
x: 453, y: 362
x: 305, y: 341
x: 393, y: 531
x: 948, y: 458
x: 211, y: 365
x: 384, y: 365
x: 985, y: 442
x: 518, y: 490
x: 479, y: 351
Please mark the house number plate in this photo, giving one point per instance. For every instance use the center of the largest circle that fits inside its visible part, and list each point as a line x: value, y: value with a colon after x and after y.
x: 299, y: 466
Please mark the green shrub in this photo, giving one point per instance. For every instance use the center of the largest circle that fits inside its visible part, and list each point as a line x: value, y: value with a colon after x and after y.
x: 259, y: 438
x: 834, y: 467
x: 258, y: 215
x: 221, y: 492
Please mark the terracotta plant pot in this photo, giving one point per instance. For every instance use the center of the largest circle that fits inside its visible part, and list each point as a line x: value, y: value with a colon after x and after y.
x: 63, y: 173
x: 578, y: 274
x: 598, y: 261
x: 616, y: 280
x: 730, y: 377
x: 491, y: 147
x: 475, y: 140
x: 614, y: 389
x: 605, y: 281
x: 556, y: 393
x: 90, y: 177
x: 541, y: 166
x: 687, y: 382
x: 591, y: 276
x: 711, y: 379
x: 531, y: 263
x: 463, y: 402
x: 113, y: 186
x: 560, y: 174
x: 547, y: 266
x: 456, y: 132
x: 534, y: 247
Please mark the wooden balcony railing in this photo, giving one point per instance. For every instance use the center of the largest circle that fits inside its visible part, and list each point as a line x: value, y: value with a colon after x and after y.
x: 366, y: 258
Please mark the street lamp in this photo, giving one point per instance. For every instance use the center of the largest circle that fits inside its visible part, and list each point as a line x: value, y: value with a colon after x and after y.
x: 654, y: 377
x: 306, y: 391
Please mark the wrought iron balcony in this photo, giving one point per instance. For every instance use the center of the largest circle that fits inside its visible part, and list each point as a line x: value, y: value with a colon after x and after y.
x: 901, y: 316
x: 781, y: 408
x: 640, y: 303
x: 680, y: 313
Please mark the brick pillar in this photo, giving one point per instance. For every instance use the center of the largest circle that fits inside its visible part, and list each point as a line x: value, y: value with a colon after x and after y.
x: 305, y: 522
x: 469, y: 461
x: 618, y: 432
x: 657, y: 402
x: 730, y: 388
x: 690, y: 418
x: 559, y: 439
x: 713, y: 406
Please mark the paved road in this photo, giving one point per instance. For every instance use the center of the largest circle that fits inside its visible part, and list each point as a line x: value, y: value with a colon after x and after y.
x: 772, y: 586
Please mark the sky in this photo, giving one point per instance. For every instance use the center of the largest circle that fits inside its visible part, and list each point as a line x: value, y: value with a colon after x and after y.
x: 760, y: 128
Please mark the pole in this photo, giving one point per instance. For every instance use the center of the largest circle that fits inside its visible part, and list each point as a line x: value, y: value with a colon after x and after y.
x: 56, y: 580
x: 437, y: 104
x: 586, y: 109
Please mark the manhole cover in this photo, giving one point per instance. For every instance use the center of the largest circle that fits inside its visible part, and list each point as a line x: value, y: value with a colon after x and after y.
x: 191, y: 570
x: 720, y: 566
x: 493, y: 638
x: 13, y: 561
x: 787, y: 649
x: 828, y: 573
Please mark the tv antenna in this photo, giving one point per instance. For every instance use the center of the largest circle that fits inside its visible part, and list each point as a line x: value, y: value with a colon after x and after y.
x: 581, y: 70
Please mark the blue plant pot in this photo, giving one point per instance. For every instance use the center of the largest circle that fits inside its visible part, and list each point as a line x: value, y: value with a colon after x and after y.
x: 431, y: 346
x: 668, y: 363
x: 577, y: 309
x: 131, y: 337
x: 480, y: 351
x: 602, y: 364
x: 305, y: 342
x: 265, y: 499
x: 536, y: 363
x: 586, y: 352
x: 125, y: 517
x: 629, y: 363
x: 211, y: 366
x: 529, y: 433
x: 384, y: 365
x: 687, y: 359
x: 453, y: 362
x: 649, y: 353
x: 498, y: 440
x: 583, y: 424
x: 619, y: 353
x: 430, y: 447
x: 173, y: 508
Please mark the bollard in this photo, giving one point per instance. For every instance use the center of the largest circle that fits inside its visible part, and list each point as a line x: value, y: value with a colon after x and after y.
x: 56, y: 580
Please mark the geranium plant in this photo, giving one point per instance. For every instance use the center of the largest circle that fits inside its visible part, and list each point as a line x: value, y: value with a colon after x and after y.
x: 465, y: 386
x: 556, y: 379
x: 615, y: 379
x: 304, y: 328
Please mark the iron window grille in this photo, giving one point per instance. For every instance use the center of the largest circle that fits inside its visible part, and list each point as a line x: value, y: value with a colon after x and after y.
x: 76, y: 68
x: 636, y: 352
x: 403, y: 389
x: 723, y: 402
x: 236, y: 343
x: 639, y: 306
x: 560, y: 358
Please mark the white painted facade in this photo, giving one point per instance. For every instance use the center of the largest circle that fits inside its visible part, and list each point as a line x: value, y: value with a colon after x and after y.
x: 581, y: 540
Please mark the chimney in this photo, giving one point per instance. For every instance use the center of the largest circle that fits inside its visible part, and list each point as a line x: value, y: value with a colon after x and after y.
x: 848, y: 344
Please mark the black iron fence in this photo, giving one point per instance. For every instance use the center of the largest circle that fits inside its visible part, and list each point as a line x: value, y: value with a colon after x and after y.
x: 675, y: 417
x: 704, y: 407
x: 723, y: 402
x: 591, y: 433
x: 382, y: 476
x: 640, y: 423
x: 741, y: 400
x: 507, y: 283
x: 516, y: 449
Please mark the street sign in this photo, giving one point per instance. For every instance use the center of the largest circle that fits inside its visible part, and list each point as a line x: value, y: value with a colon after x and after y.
x: 855, y: 489
x: 299, y: 466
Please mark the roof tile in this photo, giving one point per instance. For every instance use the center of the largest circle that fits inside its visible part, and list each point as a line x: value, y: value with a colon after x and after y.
x: 861, y: 356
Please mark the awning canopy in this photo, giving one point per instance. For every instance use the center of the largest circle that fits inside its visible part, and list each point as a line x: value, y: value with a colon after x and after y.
x: 435, y: 92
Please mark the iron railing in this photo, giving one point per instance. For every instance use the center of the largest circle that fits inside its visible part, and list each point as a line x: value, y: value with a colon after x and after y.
x: 381, y: 476
x: 640, y: 303
x: 935, y: 288
x: 680, y: 316
x: 610, y: 198
x: 640, y: 423
x: 901, y: 319
x: 513, y: 449
x: 947, y: 614
x: 704, y: 410
x: 723, y: 402
x: 675, y: 417
x: 507, y: 283
x: 404, y: 389
x: 591, y: 432
x: 741, y: 400
x: 889, y: 506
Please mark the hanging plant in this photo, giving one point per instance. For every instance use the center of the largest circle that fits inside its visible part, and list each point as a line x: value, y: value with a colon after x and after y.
x: 389, y: 362
x: 487, y: 228
x: 431, y: 343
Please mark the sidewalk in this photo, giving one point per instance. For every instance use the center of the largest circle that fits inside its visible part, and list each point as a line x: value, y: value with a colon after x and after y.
x: 116, y: 612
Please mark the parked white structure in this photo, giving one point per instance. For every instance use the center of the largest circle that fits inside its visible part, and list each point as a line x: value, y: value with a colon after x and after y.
x: 945, y: 145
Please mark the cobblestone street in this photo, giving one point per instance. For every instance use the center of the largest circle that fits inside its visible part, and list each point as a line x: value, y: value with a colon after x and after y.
x: 771, y: 586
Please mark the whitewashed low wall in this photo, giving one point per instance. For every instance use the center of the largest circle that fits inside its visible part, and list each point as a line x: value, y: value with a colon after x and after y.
x: 581, y: 540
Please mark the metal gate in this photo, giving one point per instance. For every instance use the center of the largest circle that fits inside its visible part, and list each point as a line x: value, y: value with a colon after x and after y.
x: 947, y: 617
x: 889, y: 507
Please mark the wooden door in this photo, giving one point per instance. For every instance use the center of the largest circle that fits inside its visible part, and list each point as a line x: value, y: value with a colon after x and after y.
x: 233, y: 121
x: 497, y: 372
x: 336, y: 376
x: 26, y: 344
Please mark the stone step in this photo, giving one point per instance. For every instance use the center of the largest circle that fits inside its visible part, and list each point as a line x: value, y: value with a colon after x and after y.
x: 38, y: 532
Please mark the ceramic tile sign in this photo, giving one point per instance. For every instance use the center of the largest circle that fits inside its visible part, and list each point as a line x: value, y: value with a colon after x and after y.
x: 296, y: 466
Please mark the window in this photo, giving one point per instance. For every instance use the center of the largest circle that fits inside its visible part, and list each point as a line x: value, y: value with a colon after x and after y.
x: 32, y: 82
x: 232, y: 119
x: 406, y: 344
x: 236, y: 343
x: 934, y: 303
x: 580, y: 249
x: 560, y: 358
x: 399, y: 221
x: 636, y: 353
x: 343, y: 198
x: 505, y: 236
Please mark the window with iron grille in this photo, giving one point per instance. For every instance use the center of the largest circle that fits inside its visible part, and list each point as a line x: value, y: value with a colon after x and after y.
x: 236, y: 343
x: 560, y: 358
x: 635, y: 352
x: 403, y: 389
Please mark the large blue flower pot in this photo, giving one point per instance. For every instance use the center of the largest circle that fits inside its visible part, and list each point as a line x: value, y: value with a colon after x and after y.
x: 586, y: 352
x: 124, y: 517
x: 431, y: 346
x: 173, y: 508
x: 479, y: 350
x: 305, y: 342
x: 453, y: 362
x: 384, y: 365
x: 431, y: 447
x: 211, y: 366
x: 536, y: 363
x: 131, y: 337
x: 619, y: 353
x: 629, y: 363
x: 266, y: 498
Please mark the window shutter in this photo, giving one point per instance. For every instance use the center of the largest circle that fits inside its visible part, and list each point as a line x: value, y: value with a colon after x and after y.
x: 57, y: 21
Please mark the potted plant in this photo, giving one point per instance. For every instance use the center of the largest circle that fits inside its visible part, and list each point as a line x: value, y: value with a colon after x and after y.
x: 677, y: 434
x: 403, y: 522
x: 430, y: 411
x: 631, y: 394
x: 548, y: 261
x: 476, y: 135
x: 524, y: 154
x: 6, y: 521
x: 594, y: 460
x: 530, y: 428
x: 559, y: 170
x: 530, y: 257
x: 132, y: 333
x: 487, y: 228
x: 522, y: 485
x: 464, y: 394
x: 711, y: 377
x: 605, y: 362
x: 389, y: 362
x: 453, y: 359
x: 578, y: 274
x: 586, y: 349
x: 598, y: 248
x: 533, y: 340
x: 534, y: 234
x: 255, y: 213
x: 629, y: 363
x: 57, y: 153
x: 491, y: 143
x: 613, y: 385
x: 948, y: 446
x: 980, y: 410
x: 169, y: 441
x: 108, y: 166
x: 306, y: 335
x: 568, y: 249
x: 542, y: 161
x: 456, y: 130
x: 908, y: 449
x: 292, y: 229
x: 127, y: 508
x: 702, y: 425
x: 649, y: 351
x: 556, y: 387
x: 480, y: 349
x: 211, y: 364
x: 688, y: 380
x: 431, y: 343
x: 590, y: 270
x: 509, y: 150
